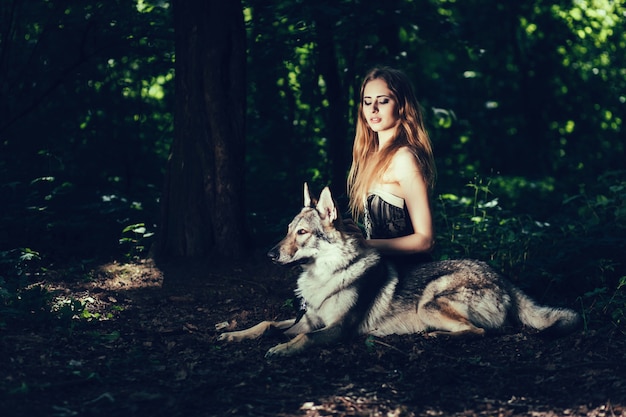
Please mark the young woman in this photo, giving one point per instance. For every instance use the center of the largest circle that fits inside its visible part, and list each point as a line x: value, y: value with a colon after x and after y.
x: 393, y: 169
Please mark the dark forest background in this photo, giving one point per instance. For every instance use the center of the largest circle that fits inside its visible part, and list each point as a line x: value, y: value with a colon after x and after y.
x: 524, y: 101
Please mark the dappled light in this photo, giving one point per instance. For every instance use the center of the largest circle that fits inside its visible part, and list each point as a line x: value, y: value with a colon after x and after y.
x: 129, y: 276
x: 524, y: 103
x: 126, y: 344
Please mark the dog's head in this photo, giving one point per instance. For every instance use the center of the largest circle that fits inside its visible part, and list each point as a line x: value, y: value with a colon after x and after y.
x: 313, y: 227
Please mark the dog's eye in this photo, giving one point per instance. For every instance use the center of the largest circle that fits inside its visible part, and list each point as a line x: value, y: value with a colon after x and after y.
x: 302, y: 231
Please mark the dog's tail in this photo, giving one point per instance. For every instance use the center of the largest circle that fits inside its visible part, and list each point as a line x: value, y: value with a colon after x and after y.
x: 549, y: 320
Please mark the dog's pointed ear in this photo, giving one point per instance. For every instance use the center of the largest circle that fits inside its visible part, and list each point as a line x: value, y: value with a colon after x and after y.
x: 307, y: 196
x: 326, y: 206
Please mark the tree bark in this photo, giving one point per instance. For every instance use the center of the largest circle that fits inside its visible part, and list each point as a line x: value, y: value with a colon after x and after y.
x: 202, y: 203
x: 336, y: 123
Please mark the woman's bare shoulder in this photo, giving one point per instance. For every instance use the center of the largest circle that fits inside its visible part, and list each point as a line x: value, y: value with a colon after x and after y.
x: 403, y: 159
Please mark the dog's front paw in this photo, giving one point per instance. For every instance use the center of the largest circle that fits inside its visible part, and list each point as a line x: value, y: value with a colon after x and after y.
x: 280, y: 350
x: 225, y: 337
x: 295, y: 345
x: 229, y: 337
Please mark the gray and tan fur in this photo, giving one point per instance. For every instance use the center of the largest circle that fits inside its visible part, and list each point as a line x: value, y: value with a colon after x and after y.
x: 350, y: 290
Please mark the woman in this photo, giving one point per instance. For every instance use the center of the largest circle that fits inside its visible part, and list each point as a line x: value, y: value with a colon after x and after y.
x: 393, y: 169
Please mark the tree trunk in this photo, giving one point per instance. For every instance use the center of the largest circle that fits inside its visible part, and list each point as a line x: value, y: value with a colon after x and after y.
x: 202, y: 203
x: 339, y: 144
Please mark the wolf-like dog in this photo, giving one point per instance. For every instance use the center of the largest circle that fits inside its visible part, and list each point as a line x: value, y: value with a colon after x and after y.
x: 349, y: 290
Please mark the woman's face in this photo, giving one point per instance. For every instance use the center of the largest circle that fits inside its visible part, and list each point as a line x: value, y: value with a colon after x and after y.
x: 380, y: 107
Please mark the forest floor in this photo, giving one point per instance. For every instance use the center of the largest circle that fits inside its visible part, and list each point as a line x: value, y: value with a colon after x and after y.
x: 148, y: 347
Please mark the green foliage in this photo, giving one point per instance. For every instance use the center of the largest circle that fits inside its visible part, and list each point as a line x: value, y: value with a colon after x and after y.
x: 37, y: 306
x: 475, y: 224
x: 136, y: 238
x: 577, y: 249
x: 18, y: 297
x: 26, y: 301
x: 86, y: 114
x: 604, y: 304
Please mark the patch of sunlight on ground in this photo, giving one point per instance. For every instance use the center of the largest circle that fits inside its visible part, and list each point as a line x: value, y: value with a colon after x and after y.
x: 103, y: 290
x: 129, y: 276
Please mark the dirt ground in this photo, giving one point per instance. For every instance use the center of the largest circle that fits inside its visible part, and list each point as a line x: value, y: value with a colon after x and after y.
x: 149, y: 347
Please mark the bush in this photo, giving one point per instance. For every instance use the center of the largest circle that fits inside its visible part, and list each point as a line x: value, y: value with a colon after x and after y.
x: 575, y: 252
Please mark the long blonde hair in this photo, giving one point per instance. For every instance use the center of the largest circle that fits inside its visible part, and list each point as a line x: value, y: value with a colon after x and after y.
x: 368, y: 166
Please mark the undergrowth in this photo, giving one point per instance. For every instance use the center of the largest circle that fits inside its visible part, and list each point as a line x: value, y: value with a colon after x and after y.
x: 26, y: 300
x: 573, y: 253
x: 576, y: 251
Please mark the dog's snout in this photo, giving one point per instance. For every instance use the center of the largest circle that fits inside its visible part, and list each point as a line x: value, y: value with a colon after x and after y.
x: 273, y: 254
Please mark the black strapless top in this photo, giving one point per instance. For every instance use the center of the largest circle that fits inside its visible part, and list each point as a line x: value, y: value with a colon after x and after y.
x: 386, y: 217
